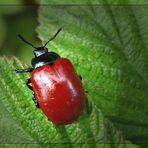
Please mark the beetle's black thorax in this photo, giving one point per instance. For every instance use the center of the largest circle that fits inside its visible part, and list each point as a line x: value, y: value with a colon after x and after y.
x: 45, y: 58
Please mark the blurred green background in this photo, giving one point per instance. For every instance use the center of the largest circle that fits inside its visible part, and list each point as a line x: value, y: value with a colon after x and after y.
x: 13, y: 18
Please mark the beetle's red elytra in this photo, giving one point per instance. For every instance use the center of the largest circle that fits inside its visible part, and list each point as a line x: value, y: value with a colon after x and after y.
x: 58, y: 91
x: 56, y: 87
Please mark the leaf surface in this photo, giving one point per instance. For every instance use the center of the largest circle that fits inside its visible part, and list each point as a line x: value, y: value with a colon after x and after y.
x: 108, y: 46
x: 23, y: 124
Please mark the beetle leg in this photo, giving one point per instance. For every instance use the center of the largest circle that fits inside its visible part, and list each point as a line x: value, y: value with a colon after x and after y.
x: 28, y: 82
x: 35, y: 100
x: 24, y: 70
x: 80, y: 77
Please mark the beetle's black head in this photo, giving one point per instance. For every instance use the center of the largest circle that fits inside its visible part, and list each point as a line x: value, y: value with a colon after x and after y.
x: 40, y: 51
x: 41, y: 54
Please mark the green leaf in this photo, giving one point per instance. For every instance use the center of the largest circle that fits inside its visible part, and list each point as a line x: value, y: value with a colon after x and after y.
x: 109, y: 48
x: 22, y: 123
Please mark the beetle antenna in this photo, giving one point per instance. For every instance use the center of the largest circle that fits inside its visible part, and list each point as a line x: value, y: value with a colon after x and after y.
x: 26, y: 41
x: 53, y: 36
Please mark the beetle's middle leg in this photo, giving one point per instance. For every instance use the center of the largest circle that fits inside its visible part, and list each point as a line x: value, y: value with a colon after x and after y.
x: 28, y: 82
x: 35, y: 100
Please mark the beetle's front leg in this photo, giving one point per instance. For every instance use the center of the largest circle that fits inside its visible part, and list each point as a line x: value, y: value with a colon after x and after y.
x: 24, y: 70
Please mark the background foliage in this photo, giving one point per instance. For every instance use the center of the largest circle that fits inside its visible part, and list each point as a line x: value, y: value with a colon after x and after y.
x: 108, y: 47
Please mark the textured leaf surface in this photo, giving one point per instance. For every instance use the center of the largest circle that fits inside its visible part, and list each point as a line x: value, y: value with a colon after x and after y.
x: 22, y: 123
x: 108, y: 46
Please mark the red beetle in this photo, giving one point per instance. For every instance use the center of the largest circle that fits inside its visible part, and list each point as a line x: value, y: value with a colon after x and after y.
x: 57, y: 89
